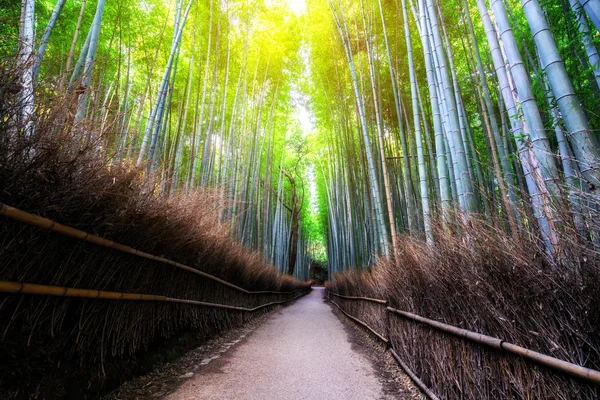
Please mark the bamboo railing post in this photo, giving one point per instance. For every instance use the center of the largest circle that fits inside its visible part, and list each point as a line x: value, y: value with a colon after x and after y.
x: 388, y: 327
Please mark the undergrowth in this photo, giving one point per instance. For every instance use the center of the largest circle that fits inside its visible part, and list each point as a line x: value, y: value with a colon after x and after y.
x: 495, y: 284
x: 64, y: 172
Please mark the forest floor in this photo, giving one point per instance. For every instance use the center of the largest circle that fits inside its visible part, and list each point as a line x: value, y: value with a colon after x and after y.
x: 298, y: 352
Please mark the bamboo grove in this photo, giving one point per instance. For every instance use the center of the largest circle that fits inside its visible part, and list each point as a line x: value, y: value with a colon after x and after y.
x: 439, y: 111
x: 195, y: 93
x: 423, y: 112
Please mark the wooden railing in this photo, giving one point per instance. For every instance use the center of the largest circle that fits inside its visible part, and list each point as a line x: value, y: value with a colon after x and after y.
x: 553, y: 363
x: 60, y: 291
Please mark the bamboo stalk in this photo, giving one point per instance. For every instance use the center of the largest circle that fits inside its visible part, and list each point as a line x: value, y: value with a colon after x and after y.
x: 45, y: 223
x: 61, y: 291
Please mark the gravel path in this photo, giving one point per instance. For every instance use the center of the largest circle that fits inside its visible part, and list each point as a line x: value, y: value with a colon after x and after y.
x: 302, y: 352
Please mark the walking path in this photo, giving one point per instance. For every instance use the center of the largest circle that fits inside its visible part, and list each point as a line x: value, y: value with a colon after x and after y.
x: 302, y: 352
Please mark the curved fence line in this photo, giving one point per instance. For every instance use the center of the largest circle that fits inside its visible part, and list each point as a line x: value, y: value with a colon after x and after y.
x: 61, y: 291
x: 45, y: 223
x: 550, y: 362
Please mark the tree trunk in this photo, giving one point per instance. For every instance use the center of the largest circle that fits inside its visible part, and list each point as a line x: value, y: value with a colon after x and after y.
x: 592, y: 8
x: 89, y: 60
x: 39, y: 55
x: 586, y: 151
x: 417, y: 124
x: 537, y: 187
x: 25, y: 62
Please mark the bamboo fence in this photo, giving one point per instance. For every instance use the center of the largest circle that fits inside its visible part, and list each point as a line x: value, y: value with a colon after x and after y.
x: 552, y: 363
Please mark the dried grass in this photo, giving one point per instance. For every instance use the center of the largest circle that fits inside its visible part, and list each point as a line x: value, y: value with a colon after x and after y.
x: 497, y: 285
x: 64, y: 173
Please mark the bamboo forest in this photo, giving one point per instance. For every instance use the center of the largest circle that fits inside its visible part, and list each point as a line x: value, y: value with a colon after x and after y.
x: 378, y: 199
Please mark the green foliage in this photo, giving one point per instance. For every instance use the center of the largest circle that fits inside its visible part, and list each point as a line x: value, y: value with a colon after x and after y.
x: 276, y: 61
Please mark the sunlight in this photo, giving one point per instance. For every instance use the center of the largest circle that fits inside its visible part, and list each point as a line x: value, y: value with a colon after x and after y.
x: 312, y: 189
x: 297, y: 6
x: 302, y: 112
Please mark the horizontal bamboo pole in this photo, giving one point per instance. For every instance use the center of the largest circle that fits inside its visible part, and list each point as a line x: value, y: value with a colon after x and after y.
x: 379, y: 301
x: 489, y: 341
x: 499, y: 344
x: 358, y: 321
x: 45, y: 223
x: 61, y: 291
x: 428, y: 392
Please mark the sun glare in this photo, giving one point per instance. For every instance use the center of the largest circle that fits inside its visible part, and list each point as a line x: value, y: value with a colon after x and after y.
x: 297, y: 6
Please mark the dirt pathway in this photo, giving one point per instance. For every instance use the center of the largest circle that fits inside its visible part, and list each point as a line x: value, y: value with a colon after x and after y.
x: 302, y: 352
